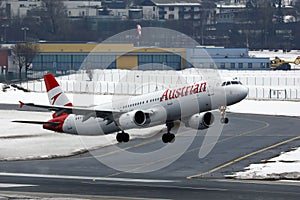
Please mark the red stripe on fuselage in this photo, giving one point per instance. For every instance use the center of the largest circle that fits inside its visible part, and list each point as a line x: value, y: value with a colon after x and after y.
x: 58, y: 128
x: 50, y: 82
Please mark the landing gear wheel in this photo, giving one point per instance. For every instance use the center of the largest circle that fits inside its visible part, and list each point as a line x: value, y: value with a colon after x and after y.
x: 168, y: 138
x: 125, y: 137
x: 171, y: 138
x: 224, y: 120
x: 119, y: 137
x: 122, y: 137
x: 165, y: 138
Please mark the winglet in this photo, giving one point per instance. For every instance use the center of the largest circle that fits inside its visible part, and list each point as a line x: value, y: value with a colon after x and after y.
x: 21, y: 104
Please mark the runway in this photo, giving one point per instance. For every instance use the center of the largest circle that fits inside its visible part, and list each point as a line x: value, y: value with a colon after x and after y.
x: 246, y: 139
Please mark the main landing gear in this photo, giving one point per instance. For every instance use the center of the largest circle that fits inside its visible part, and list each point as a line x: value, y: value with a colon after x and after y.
x: 224, y: 120
x: 169, y: 137
x: 122, y: 137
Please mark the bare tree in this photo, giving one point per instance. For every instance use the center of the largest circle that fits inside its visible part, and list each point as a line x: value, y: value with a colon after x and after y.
x: 24, y: 54
x: 55, y: 14
x: 2, y: 9
x: 297, y: 7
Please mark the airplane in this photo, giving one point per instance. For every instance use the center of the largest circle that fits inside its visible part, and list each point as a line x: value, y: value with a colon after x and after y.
x: 192, y: 104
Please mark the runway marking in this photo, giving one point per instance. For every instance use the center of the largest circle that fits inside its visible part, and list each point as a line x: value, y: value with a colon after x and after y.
x: 86, y: 178
x: 158, y: 139
x: 11, y: 185
x: 262, y: 182
x: 191, y: 150
x: 169, y: 187
x: 39, y: 195
x: 242, y: 158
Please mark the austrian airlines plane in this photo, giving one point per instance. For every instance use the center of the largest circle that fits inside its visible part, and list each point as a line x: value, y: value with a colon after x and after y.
x: 190, y: 104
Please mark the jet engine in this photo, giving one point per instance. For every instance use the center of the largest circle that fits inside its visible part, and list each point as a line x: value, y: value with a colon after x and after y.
x: 200, y: 121
x: 134, y: 119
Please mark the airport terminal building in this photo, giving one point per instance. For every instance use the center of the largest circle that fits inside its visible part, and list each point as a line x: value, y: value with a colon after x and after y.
x: 65, y: 57
x: 107, y: 56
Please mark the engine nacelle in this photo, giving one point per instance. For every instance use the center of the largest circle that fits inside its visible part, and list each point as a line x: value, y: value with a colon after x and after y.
x: 200, y: 121
x: 133, y: 119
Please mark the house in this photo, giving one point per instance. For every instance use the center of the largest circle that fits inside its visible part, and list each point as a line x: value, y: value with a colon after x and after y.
x: 20, y: 8
x: 177, y: 10
x: 231, y: 13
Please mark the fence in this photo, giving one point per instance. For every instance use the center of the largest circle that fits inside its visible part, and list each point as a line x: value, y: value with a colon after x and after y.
x: 262, y: 84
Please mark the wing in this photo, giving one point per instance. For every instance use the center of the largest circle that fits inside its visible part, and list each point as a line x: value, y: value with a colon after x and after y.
x: 106, y: 114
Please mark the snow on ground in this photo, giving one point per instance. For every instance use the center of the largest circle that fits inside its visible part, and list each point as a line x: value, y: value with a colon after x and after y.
x: 285, y: 108
x: 13, y: 96
x: 292, y: 55
x: 27, y: 141
x: 285, y: 166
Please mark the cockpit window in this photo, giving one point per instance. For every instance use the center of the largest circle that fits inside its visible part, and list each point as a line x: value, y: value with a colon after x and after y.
x: 231, y: 83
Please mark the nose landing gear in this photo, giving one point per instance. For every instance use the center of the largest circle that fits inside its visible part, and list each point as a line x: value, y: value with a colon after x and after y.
x: 224, y: 120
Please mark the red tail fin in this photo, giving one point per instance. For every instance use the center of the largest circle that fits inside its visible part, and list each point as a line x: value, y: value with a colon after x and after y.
x: 50, y: 82
x: 56, y: 95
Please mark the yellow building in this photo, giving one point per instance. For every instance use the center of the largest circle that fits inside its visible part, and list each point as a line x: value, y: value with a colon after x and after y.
x: 60, y: 57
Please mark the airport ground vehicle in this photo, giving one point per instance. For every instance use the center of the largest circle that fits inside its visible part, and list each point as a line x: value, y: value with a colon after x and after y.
x: 280, y: 64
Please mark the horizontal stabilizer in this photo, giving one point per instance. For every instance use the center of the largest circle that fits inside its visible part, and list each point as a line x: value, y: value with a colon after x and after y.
x: 38, y: 122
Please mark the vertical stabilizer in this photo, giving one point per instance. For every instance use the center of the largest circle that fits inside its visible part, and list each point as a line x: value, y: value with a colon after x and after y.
x: 56, y: 95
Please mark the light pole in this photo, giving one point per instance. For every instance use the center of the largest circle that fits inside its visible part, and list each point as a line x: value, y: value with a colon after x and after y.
x: 25, y: 29
x: 5, y: 26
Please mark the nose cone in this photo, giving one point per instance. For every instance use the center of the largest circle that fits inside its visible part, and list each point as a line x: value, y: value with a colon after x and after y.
x: 236, y: 94
x: 244, y: 92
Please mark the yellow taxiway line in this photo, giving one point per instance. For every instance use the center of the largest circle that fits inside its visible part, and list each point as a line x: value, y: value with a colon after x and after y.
x: 242, y: 158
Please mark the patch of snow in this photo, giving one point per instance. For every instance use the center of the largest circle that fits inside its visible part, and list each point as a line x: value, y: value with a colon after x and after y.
x: 285, y: 108
x: 285, y: 166
x: 21, y: 142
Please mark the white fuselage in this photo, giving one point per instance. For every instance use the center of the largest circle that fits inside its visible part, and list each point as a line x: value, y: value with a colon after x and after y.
x: 163, y: 106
